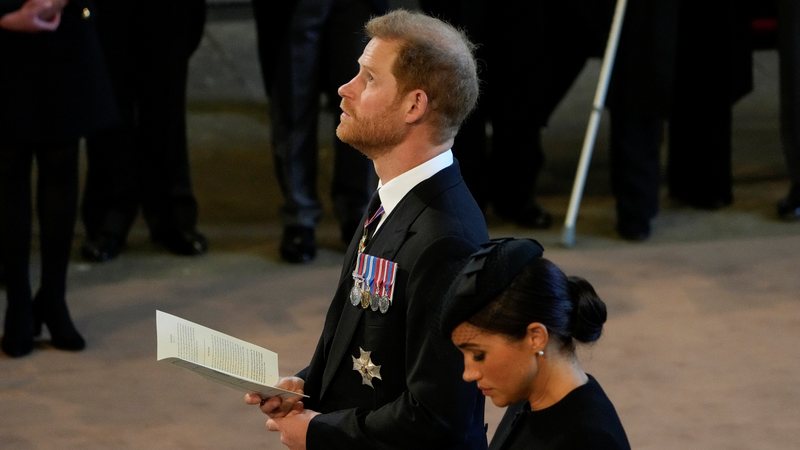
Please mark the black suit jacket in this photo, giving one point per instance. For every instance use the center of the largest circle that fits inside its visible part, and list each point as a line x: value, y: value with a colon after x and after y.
x: 421, y: 401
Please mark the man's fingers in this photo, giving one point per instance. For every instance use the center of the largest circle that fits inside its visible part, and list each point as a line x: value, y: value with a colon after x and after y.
x: 272, y: 425
x: 252, y: 399
x: 272, y: 405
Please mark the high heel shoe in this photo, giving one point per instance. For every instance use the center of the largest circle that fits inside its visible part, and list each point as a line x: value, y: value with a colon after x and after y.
x: 63, y: 334
x: 18, y: 331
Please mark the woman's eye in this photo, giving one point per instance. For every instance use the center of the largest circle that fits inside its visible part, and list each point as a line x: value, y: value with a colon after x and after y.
x: 479, y: 356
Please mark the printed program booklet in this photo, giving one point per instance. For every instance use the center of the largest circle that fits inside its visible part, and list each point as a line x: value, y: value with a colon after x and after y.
x: 217, y: 356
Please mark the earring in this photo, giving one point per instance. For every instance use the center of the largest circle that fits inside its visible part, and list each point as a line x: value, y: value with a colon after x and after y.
x: 540, y: 353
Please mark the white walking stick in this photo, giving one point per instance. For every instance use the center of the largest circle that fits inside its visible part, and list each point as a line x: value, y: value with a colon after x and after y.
x: 568, y: 237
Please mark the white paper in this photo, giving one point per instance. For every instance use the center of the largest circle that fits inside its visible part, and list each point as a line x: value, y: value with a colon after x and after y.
x: 217, y: 356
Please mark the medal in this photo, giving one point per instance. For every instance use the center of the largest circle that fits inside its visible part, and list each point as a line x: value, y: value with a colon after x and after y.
x: 355, y: 293
x: 383, y: 304
x: 358, y: 281
x: 373, y: 303
x: 365, y: 299
x: 373, y: 283
x: 362, y: 244
x: 366, y: 368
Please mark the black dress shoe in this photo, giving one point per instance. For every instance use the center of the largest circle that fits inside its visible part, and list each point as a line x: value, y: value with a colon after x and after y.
x: 636, y: 231
x: 298, y: 244
x: 101, y: 248
x: 182, y: 242
x: 789, y: 210
x: 531, y: 216
x: 789, y: 207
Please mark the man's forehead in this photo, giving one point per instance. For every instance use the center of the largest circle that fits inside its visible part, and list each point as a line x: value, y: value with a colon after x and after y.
x: 378, y: 51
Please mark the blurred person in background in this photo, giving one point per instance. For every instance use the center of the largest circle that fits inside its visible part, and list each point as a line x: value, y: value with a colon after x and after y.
x: 54, y: 90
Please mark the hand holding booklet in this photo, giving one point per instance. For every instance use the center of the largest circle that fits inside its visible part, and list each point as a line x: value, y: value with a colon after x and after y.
x: 217, y: 356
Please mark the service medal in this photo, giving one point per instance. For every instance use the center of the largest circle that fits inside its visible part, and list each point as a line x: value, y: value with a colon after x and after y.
x: 383, y: 303
x: 364, y: 301
x: 355, y: 293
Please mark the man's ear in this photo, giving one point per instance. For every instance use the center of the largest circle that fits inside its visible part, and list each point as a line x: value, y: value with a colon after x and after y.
x: 415, y: 104
x: 537, y: 336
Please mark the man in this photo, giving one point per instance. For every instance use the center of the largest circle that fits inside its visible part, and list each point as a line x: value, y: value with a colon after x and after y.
x: 381, y: 376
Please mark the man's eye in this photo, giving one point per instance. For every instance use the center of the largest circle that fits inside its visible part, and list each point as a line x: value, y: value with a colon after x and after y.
x: 479, y: 356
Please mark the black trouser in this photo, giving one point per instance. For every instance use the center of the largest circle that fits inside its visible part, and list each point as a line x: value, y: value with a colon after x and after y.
x: 318, y: 53
x: 143, y: 160
x: 789, y: 51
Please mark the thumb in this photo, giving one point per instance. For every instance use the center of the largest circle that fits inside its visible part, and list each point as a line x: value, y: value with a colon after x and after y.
x: 272, y: 425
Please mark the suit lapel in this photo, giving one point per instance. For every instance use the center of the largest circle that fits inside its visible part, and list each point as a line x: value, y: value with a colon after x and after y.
x: 384, y: 244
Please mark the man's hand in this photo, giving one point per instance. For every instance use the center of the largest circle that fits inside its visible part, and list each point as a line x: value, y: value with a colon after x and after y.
x: 276, y: 407
x: 34, y: 16
x: 293, y: 428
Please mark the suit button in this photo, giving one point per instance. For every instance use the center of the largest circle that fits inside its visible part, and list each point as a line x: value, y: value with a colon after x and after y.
x: 86, y: 13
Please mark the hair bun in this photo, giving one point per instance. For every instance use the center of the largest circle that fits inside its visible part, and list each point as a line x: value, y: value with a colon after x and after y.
x: 589, y: 313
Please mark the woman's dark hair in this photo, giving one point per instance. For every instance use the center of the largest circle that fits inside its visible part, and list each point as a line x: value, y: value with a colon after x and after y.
x: 567, y: 306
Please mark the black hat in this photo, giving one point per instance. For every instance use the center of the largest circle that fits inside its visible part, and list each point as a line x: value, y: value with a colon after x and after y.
x: 487, y: 273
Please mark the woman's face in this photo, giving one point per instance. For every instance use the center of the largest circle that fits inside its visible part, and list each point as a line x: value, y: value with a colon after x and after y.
x: 503, y: 369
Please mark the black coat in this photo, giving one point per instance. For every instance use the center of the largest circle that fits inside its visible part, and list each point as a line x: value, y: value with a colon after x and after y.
x: 53, y: 85
x: 421, y: 401
x: 708, y: 38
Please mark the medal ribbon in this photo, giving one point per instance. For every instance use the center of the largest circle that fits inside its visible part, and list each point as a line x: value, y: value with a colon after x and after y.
x: 392, y: 273
x: 362, y: 244
x: 359, y: 270
x: 379, y: 289
x: 370, y: 276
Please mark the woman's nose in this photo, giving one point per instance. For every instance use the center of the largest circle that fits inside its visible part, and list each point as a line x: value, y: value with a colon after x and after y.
x: 470, y: 374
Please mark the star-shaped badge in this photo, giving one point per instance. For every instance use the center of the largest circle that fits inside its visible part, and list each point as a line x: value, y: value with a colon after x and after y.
x: 364, y: 366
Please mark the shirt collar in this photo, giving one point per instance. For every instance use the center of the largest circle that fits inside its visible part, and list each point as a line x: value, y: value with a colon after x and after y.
x: 392, y: 192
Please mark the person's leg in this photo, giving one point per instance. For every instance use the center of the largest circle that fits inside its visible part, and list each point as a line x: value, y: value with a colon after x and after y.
x: 15, y: 239
x: 789, y: 53
x: 709, y: 76
x: 168, y: 201
x: 294, y: 112
x: 110, y: 201
x: 515, y: 111
x: 634, y: 170
x: 56, y: 205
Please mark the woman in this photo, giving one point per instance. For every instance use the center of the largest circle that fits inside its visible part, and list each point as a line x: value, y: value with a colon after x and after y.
x: 53, y: 90
x: 516, y: 318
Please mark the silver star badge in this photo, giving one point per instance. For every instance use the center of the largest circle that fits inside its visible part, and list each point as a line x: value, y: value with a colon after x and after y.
x: 365, y: 367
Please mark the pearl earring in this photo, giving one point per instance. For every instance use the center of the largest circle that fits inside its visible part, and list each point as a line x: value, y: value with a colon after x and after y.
x: 540, y: 353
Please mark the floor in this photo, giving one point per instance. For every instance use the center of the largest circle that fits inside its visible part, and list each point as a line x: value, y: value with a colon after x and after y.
x: 699, y: 351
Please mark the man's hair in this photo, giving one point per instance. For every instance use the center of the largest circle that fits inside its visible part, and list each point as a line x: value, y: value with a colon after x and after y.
x: 435, y: 57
